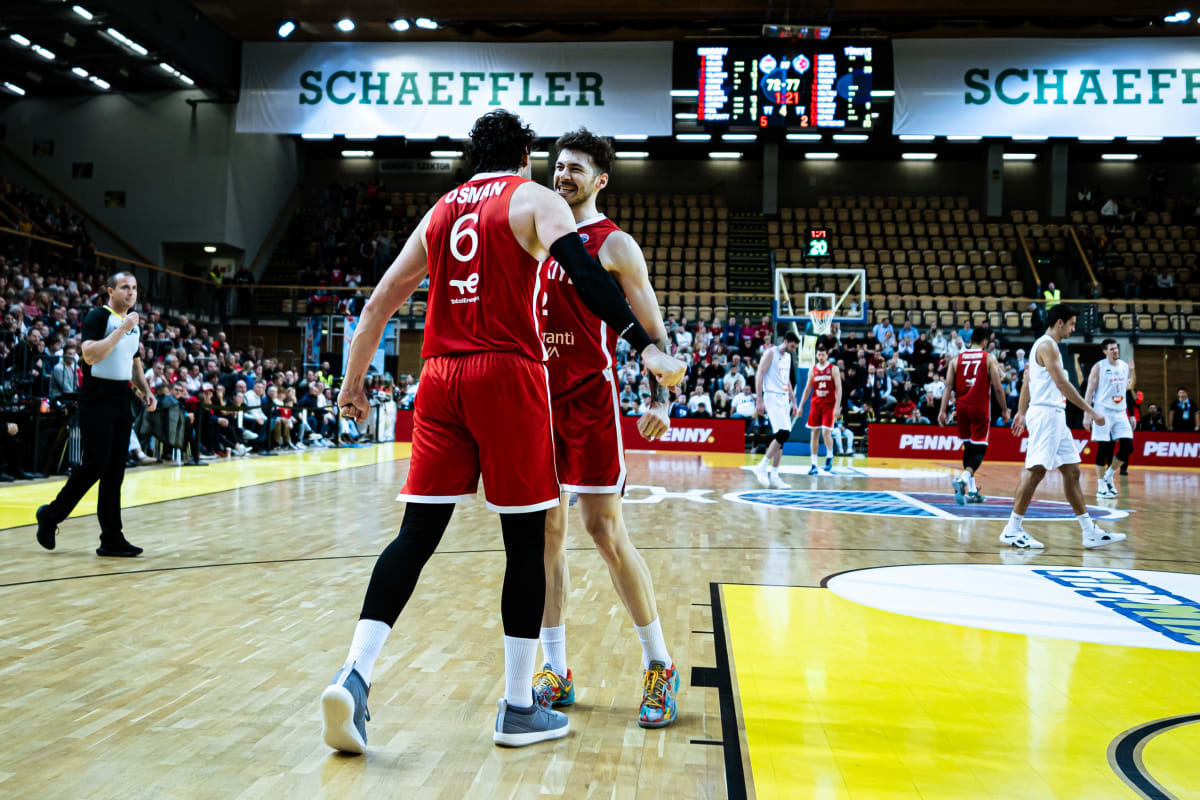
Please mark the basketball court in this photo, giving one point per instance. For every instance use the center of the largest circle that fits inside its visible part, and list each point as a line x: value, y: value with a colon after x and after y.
x: 195, y: 670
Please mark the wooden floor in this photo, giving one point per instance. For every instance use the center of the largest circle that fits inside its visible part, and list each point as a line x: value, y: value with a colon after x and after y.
x: 194, y: 671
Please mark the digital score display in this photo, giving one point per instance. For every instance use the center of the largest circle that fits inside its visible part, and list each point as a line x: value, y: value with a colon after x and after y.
x: 799, y: 86
x: 817, y: 243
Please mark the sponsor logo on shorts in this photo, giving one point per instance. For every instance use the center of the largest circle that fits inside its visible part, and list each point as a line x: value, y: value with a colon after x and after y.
x: 1172, y: 449
x: 1174, y: 616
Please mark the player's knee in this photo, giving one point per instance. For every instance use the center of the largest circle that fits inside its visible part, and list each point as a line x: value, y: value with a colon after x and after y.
x: 606, y: 535
x: 1124, y: 449
x: 781, y: 437
x: 973, y: 455
x: 1104, y: 453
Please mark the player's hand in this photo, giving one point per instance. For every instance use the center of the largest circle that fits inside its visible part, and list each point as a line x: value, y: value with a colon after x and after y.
x: 151, y: 401
x: 223, y: 422
x: 667, y: 371
x: 130, y: 322
x: 352, y: 402
x: 795, y: 411
x: 942, y: 418
x: 1087, y: 420
x: 655, y: 422
x: 1099, y: 418
x: 1018, y: 424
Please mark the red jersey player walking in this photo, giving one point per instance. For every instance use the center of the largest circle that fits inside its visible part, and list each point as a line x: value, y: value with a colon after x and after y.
x: 969, y: 375
x: 825, y: 384
x: 587, y: 433
x: 483, y: 408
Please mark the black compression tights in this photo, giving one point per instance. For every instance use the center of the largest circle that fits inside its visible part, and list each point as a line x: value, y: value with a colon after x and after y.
x: 396, y: 572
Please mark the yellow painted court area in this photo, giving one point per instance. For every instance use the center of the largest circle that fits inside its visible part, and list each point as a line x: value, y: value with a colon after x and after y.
x: 844, y: 701
x: 147, y: 485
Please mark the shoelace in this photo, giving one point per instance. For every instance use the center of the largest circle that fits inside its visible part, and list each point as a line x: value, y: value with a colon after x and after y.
x: 549, y: 678
x: 654, y: 684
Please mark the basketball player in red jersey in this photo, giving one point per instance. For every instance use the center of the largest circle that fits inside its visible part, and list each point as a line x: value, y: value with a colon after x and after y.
x: 825, y: 383
x: 965, y: 376
x: 587, y: 432
x: 483, y: 408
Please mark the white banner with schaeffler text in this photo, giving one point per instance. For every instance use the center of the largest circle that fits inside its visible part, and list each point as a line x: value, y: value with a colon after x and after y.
x: 439, y: 89
x: 1048, y: 87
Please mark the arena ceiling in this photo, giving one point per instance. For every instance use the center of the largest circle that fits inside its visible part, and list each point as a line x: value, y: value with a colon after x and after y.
x: 201, y: 39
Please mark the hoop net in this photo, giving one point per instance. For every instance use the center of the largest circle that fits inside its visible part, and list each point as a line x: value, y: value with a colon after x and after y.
x: 822, y: 320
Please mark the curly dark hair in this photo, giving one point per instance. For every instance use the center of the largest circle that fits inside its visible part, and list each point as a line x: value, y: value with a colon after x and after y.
x: 599, y: 148
x: 498, y: 140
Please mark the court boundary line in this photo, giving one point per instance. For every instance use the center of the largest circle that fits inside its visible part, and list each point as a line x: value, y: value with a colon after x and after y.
x: 1125, y: 755
x: 736, y: 785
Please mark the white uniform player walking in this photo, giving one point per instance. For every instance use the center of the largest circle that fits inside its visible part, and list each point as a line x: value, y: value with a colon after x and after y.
x: 1108, y: 383
x: 1042, y: 409
x: 777, y: 399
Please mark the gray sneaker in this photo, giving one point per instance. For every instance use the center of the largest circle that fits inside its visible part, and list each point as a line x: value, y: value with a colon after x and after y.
x: 344, y: 711
x: 517, y: 727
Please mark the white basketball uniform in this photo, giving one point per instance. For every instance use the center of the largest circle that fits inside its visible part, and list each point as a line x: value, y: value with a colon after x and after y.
x: 776, y: 385
x: 1050, y: 442
x: 1109, y: 400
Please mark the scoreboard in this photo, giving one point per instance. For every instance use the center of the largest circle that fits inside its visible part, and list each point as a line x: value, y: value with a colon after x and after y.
x: 804, y: 86
x: 818, y: 243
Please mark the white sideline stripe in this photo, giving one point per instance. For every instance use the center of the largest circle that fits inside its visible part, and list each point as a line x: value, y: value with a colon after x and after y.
x: 937, y: 512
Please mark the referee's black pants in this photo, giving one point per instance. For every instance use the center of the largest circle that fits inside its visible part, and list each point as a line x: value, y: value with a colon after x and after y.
x: 105, y: 420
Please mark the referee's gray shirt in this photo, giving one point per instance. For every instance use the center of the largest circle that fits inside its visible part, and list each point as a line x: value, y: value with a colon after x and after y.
x: 115, y: 370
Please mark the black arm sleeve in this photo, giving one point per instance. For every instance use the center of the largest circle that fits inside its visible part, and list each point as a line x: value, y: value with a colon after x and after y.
x: 95, y: 325
x: 598, y: 291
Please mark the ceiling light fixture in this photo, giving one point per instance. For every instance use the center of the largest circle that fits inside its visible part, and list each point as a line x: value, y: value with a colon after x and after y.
x: 43, y: 52
x: 918, y: 156
x: 316, y: 137
x: 883, y: 93
x: 856, y: 138
x: 693, y: 137
x: 739, y: 137
x: 12, y: 87
x: 345, y: 25
x: 821, y: 156
x: 208, y: 248
x: 725, y: 156
x: 286, y: 29
x: 425, y: 23
x: 804, y: 137
x: 80, y: 71
x: 448, y: 153
x: 685, y: 93
x: 83, y: 12
x: 915, y: 137
x: 1020, y: 156
x: 100, y: 83
x: 1120, y: 157
x: 631, y: 137
x: 632, y: 154
x: 685, y: 115
x: 19, y: 39
x: 399, y: 25
x: 963, y: 138
x: 358, y: 153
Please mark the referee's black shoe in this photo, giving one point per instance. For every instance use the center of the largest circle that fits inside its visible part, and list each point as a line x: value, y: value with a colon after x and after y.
x: 120, y: 549
x: 45, y: 529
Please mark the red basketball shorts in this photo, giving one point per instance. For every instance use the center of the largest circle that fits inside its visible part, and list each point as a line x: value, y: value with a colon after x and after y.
x: 587, y: 437
x: 483, y: 414
x: 974, y: 424
x: 820, y: 415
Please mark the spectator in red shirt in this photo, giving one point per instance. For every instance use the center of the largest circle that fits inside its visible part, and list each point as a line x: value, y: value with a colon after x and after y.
x: 903, y: 410
x: 748, y: 342
x: 762, y: 331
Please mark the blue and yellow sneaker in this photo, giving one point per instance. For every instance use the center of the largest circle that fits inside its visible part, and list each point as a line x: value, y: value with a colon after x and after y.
x: 659, y: 687
x: 551, y: 690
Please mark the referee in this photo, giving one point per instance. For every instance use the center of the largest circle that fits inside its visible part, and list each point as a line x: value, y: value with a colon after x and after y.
x: 110, y: 361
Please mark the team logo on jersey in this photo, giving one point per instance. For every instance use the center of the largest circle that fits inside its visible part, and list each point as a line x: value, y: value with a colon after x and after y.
x: 468, y: 286
x: 584, y: 237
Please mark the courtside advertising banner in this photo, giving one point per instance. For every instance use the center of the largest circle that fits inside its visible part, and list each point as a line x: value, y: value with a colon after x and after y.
x: 1047, y: 87
x: 439, y: 89
x: 943, y: 444
x: 698, y: 435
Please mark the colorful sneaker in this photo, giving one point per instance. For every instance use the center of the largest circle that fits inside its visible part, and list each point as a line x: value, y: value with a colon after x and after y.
x: 551, y: 690
x: 813, y: 470
x: 659, y: 687
x: 517, y: 727
x: 975, y: 497
x: 344, y: 712
x: 960, y: 492
x: 829, y: 465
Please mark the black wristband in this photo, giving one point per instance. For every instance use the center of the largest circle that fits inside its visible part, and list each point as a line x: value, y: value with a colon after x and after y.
x: 598, y: 291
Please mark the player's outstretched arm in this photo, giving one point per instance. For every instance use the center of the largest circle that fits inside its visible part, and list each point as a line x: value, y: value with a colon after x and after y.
x: 942, y: 415
x: 837, y: 392
x: 759, y: 376
x: 624, y: 260
x: 1018, y: 423
x: 997, y: 384
x: 399, y: 282
x: 1059, y: 376
x: 807, y: 389
x: 1090, y: 392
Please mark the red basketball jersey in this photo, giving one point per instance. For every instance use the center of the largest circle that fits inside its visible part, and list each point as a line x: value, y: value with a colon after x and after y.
x: 971, y: 380
x: 823, y: 390
x: 580, y: 345
x: 483, y: 286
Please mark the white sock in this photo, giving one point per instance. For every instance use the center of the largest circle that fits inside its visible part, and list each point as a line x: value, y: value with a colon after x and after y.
x: 554, y: 648
x: 1085, y: 522
x: 1014, y: 521
x: 816, y: 459
x: 971, y: 487
x: 369, y: 636
x: 1108, y: 475
x: 654, y: 646
x: 763, y: 463
x: 965, y: 477
x: 520, y: 662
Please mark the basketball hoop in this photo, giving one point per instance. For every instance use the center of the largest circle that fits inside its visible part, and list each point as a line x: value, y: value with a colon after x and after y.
x: 822, y: 320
